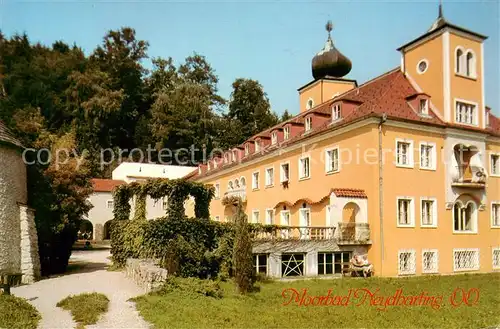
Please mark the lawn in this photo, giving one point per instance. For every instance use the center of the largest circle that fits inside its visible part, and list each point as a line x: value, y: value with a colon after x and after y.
x: 266, y: 309
x: 16, y: 313
x: 85, y: 308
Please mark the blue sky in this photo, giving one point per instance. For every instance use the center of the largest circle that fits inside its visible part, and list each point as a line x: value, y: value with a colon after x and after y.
x: 272, y: 42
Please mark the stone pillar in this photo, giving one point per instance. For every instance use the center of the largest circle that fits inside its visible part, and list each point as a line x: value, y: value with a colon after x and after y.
x: 30, y: 259
x: 98, y: 232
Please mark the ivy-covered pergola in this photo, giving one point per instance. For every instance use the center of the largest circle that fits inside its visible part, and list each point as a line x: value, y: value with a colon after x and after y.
x: 177, y: 191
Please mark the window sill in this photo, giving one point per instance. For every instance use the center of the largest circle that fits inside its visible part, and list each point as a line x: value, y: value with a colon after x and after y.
x: 332, y: 172
x: 255, y: 189
x: 405, y: 225
x: 304, y: 178
x: 269, y: 186
x: 428, y: 169
x: 495, y: 227
x: 466, y: 124
x: 494, y: 175
x: 405, y: 166
x: 466, y: 269
x: 464, y: 232
x: 428, y: 226
x: 461, y: 75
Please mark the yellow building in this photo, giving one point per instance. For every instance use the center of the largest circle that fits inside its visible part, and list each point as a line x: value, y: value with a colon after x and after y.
x: 404, y: 168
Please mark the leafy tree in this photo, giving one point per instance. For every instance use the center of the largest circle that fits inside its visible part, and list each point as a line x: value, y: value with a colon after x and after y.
x: 242, y: 252
x: 286, y: 116
x: 250, y: 106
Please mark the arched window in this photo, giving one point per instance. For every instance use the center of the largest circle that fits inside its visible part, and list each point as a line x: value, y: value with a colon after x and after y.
x: 230, y: 186
x: 470, y: 64
x: 310, y: 104
x: 236, y: 184
x: 243, y: 182
x: 458, y: 60
x: 464, y: 217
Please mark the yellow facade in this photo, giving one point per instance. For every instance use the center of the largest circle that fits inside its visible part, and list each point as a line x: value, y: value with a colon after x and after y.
x: 414, y: 207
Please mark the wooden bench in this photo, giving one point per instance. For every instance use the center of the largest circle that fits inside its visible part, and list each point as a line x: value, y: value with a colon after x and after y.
x: 8, y: 280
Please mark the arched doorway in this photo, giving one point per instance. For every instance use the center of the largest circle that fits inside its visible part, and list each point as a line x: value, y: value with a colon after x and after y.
x: 349, y: 213
x: 86, y: 230
x: 107, y: 230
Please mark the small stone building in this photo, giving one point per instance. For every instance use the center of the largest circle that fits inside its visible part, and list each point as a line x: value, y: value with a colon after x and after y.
x: 18, y: 236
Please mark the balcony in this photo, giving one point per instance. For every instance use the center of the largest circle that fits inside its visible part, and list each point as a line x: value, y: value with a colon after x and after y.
x: 295, y: 233
x: 469, y: 176
x: 353, y: 233
x: 234, y: 195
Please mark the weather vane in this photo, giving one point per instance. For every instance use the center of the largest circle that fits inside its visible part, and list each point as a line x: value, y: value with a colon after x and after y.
x: 329, y: 26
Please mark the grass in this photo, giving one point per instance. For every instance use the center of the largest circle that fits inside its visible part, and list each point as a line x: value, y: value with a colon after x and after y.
x: 85, y: 308
x: 265, y: 309
x: 16, y: 313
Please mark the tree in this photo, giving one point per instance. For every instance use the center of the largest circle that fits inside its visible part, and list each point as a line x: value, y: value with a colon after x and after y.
x: 286, y: 116
x: 250, y: 106
x: 242, y: 253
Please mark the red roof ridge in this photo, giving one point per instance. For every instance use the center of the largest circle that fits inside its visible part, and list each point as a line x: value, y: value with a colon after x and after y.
x: 105, y: 184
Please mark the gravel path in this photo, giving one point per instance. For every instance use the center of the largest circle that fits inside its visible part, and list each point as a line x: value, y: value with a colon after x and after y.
x: 86, y: 273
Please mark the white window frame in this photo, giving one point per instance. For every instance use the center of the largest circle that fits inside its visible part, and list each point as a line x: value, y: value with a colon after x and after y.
x: 269, y: 179
x: 475, y: 119
x: 411, y: 210
x: 301, y: 167
x: 473, y: 71
x: 436, y: 268
x: 217, y: 191
x: 257, y: 145
x: 282, y: 172
x: 492, y: 173
x: 256, y: 182
x: 459, y: 62
x: 495, y: 203
x: 164, y: 203
x: 409, y: 153
x: 274, y: 138
x: 336, y: 112
x: 475, y: 268
x: 309, y: 103
x: 328, y: 160
x: 255, y: 216
x: 434, y: 212
x: 270, y: 219
x: 425, y: 109
x: 308, y: 124
x: 110, y: 202
x: 286, y: 133
x: 433, y: 155
x: 493, y: 250
x: 426, y: 66
x: 282, y: 217
x: 233, y: 155
x: 243, y: 182
x: 413, y: 259
x: 247, y: 149
x: 474, y: 223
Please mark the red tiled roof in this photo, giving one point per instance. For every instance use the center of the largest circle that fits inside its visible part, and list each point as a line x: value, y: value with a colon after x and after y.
x: 349, y: 193
x: 7, y: 137
x: 386, y: 94
x: 105, y: 185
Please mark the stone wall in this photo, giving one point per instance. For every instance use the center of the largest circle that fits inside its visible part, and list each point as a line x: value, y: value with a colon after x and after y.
x: 30, y: 260
x: 145, y: 273
x: 12, y: 192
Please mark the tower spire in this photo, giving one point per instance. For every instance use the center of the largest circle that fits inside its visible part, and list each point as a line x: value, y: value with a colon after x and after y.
x: 329, y: 28
x: 440, y: 15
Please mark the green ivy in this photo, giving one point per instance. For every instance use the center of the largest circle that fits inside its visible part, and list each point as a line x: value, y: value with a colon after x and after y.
x: 177, y: 191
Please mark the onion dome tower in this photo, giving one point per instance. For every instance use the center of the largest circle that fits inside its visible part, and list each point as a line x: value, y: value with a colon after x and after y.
x: 330, y: 62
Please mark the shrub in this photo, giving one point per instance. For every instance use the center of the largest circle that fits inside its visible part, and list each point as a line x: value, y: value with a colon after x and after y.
x: 16, y: 313
x: 85, y: 308
x: 242, y: 254
x: 207, y: 288
x: 185, y: 247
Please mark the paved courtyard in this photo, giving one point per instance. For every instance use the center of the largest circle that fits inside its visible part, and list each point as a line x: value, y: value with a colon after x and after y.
x: 86, y: 273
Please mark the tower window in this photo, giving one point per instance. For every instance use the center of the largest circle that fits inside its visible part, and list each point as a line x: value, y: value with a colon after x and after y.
x: 422, y: 66
x: 310, y: 104
x: 336, y: 115
x: 458, y: 61
x: 470, y: 64
x: 465, y: 113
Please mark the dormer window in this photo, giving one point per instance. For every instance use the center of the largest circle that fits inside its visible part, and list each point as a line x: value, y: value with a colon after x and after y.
x: 286, y: 133
x: 308, y: 123
x: 226, y: 158
x: 336, y: 114
x: 257, y: 146
x: 209, y: 166
x: 274, y: 137
x: 424, y: 107
x: 233, y: 155
x: 247, y: 149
